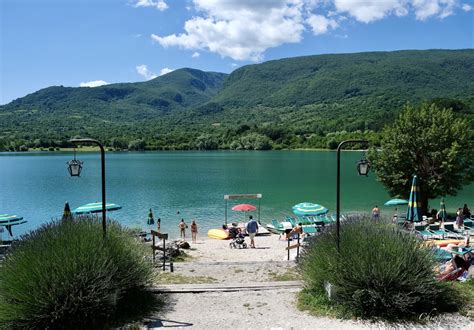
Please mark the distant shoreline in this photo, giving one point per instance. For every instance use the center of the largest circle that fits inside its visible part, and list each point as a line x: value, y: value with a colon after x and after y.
x: 96, y: 149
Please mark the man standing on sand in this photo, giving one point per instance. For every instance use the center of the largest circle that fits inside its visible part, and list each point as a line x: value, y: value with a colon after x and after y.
x: 182, y: 229
x: 376, y: 213
x: 252, y: 228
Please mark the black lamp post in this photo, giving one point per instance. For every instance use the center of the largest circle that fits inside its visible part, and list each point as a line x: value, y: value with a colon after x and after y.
x: 75, y: 168
x: 362, y: 168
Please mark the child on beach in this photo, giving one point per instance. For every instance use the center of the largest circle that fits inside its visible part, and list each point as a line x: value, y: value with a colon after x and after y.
x: 194, y: 231
x: 182, y: 229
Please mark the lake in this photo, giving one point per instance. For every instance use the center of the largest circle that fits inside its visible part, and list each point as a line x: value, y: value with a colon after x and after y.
x: 36, y: 185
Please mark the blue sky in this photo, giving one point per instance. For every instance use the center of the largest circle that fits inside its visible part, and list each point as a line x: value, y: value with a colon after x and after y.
x: 93, y: 42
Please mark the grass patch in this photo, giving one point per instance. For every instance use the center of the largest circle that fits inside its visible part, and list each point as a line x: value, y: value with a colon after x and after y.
x: 289, y: 275
x: 238, y: 270
x: 175, y: 278
x: 183, y: 257
x: 466, y: 293
x: 317, y: 304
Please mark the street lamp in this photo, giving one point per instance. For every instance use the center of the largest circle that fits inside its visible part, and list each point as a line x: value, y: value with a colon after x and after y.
x: 75, y: 168
x: 362, y: 168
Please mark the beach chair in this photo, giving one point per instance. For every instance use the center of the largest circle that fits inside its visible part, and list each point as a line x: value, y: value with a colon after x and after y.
x: 292, y: 221
x: 310, y: 230
x: 423, y: 233
x: 468, y: 225
x: 451, y: 232
x: 277, y: 225
x: 305, y: 221
x: 437, y: 231
x: 324, y: 218
x: 319, y: 224
x: 442, y: 255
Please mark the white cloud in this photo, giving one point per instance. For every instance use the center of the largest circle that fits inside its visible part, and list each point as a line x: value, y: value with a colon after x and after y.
x: 320, y: 24
x: 195, y: 54
x: 93, y: 83
x: 159, y: 4
x: 427, y: 8
x: 143, y: 71
x: 371, y: 10
x: 165, y: 71
x: 244, y: 29
x: 240, y: 29
x: 367, y: 11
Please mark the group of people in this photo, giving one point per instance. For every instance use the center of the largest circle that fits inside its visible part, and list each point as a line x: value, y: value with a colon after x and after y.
x: 461, y: 214
x: 182, y: 226
x: 182, y: 230
x: 251, y: 228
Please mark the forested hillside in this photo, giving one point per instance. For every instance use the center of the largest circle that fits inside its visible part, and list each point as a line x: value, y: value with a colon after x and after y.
x: 312, y: 101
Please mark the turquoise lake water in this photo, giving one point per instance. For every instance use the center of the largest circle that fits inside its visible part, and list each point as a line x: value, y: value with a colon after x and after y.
x: 36, y: 185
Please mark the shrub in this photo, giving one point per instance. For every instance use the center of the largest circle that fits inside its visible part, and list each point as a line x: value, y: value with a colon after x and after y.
x: 65, y: 274
x: 380, y: 271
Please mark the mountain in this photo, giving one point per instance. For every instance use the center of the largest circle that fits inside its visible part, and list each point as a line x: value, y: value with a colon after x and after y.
x: 176, y: 91
x: 309, y: 101
x: 401, y: 75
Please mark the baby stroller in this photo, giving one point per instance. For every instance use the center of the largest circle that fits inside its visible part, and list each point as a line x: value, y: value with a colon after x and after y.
x: 238, y: 240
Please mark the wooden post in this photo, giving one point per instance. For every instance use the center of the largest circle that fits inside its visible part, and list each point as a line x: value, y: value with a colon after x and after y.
x: 288, y: 248
x: 153, y: 245
x: 164, y: 253
x: 298, y: 248
x: 164, y: 237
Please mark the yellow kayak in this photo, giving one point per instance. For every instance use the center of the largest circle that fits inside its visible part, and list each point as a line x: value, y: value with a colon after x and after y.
x: 218, y: 234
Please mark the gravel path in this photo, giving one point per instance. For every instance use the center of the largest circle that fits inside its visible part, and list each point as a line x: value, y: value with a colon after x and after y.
x: 268, y: 309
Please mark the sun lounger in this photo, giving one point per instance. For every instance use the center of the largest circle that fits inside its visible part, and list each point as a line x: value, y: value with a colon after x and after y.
x: 437, y: 231
x: 423, y: 233
x: 310, y: 230
x: 305, y: 221
x: 277, y: 225
x: 442, y: 255
x: 319, y: 223
x: 292, y: 221
x: 449, y: 228
x: 468, y: 225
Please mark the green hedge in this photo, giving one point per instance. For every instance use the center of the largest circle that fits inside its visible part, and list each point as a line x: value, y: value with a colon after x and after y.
x: 65, y: 275
x: 380, y: 272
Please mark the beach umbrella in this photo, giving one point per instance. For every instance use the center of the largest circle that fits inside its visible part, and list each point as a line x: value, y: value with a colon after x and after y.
x: 9, y: 220
x: 150, y: 220
x: 244, y: 207
x: 442, y: 208
x: 309, y: 209
x: 414, y: 207
x: 67, y: 212
x: 95, y: 208
x: 396, y: 201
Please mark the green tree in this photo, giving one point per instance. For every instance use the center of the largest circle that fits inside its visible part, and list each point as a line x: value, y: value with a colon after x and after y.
x: 206, y: 142
x: 137, y: 145
x: 430, y: 142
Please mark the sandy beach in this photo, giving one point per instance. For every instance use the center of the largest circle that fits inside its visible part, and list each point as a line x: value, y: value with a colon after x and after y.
x: 213, y: 262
